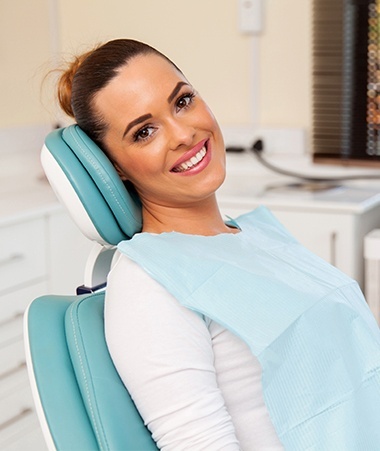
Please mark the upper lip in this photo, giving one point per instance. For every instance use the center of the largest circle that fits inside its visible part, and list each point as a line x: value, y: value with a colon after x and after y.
x: 190, y: 153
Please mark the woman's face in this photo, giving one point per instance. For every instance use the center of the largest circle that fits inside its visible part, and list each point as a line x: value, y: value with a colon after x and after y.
x: 161, y: 135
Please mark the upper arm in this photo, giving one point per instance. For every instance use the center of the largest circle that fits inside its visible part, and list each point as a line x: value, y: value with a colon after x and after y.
x: 163, y: 353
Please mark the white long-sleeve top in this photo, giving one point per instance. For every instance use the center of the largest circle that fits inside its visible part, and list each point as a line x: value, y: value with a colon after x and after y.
x: 195, y: 384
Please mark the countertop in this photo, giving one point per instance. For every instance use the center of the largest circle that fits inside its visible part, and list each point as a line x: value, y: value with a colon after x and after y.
x: 253, y: 184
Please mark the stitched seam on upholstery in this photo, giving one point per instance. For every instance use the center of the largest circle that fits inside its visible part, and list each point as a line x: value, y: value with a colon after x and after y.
x: 93, y: 162
x: 86, y: 381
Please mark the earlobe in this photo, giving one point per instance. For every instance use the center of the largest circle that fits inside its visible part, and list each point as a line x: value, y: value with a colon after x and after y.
x: 120, y: 172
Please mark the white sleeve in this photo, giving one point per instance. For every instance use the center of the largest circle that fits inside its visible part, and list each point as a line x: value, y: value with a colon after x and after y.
x: 163, y: 353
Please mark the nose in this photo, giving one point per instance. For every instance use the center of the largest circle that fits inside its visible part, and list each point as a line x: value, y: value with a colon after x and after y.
x: 181, y: 133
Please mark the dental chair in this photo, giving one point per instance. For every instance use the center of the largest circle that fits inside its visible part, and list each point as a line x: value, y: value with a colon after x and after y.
x: 80, y: 400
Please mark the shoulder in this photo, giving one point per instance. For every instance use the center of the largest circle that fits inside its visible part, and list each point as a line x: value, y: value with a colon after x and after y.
x: 133, y: 293
x: 127, y: 279
x: 127, y: 271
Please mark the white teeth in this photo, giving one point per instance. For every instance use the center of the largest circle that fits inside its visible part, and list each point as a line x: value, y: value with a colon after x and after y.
x: 192, y: 162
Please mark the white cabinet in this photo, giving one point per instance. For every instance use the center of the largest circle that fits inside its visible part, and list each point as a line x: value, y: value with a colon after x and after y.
x: 22, y: 253
x: 40, y: 253
x: 23, y: 276
x: 68, y: 250
x: 19, y: 427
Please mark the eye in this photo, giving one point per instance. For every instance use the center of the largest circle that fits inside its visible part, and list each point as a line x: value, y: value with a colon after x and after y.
x: 143, y: 133
x: 185, y: 101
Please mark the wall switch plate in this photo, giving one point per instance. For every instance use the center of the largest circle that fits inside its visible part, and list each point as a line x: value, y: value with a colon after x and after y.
x: 250, y: 16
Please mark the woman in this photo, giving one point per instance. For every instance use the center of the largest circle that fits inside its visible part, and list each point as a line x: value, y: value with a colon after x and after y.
x: 195, y: 306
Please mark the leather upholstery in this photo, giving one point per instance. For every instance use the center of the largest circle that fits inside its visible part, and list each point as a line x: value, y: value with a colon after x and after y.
x: 86, y: 405
x: 115, y: 213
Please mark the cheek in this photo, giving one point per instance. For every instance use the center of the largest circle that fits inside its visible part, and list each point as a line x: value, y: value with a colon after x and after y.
x: 130, y: 169
x: 207, y: 111
x: 209, y: 120
x: 139, y: 170
x: 125, y: 162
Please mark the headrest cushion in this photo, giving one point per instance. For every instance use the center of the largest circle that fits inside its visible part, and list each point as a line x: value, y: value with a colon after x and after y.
x: 115, y: 213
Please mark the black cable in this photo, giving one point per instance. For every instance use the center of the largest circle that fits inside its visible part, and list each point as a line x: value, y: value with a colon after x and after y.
x: 258, y: 147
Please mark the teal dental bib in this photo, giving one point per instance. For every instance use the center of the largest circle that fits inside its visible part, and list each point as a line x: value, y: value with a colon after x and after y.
x: 307, y: 323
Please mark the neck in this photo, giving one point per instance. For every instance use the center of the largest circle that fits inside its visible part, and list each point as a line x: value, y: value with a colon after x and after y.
x: 203, y: 218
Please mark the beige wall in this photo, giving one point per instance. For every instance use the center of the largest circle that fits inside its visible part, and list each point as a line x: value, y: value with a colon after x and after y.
x: 24, y: 51
x: 201, y: 36
x: 286, y: 64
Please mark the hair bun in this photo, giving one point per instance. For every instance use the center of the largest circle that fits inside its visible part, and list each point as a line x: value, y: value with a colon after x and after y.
x: 65, y: 83
x: 86, y: 75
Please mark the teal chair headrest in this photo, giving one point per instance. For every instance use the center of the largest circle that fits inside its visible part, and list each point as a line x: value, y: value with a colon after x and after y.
x: 94, y: 183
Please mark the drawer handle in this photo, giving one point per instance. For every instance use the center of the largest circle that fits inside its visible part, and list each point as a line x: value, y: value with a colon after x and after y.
x: 22, y: 414
x: 11, y: 319
x: 12, y: 258
x: 13, y: 371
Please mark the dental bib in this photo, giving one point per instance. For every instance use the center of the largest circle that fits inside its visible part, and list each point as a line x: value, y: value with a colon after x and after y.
x: 307, y: 323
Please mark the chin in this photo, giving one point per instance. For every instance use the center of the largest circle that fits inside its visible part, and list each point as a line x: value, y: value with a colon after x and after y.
x: 217, y: 181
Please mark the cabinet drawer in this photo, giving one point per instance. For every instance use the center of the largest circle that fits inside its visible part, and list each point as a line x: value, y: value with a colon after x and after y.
x: 23, y: 434
x: 17, y: 416
x: 15, y: 397
x: 19, y: 427
x: 12, y: 381
x: 11, y: 331
x: 22, y: 253
x: 13, y: 304
x: 12, y: 307
x: 15, y: 405
x: 11, y: 357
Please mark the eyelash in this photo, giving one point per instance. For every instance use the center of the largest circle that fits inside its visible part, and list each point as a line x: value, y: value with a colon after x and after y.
x: 190, y: 96
x: 137, y: 135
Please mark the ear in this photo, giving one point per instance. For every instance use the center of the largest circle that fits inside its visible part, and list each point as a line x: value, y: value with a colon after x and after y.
x: 120, y: 172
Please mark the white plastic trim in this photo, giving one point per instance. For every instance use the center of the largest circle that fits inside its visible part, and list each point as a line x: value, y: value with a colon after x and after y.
x: 68, y: 197
x: 33, y: 384
x: 98, y: 265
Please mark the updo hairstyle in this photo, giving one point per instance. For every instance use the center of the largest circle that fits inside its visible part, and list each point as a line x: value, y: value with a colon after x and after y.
x: 87, y: 74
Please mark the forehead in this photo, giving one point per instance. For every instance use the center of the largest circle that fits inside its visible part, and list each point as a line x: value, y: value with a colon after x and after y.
x: 146, y: 66
x: 144, y: 79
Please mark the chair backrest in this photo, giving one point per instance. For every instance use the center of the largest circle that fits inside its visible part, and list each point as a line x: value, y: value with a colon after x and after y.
x: 81, y: 402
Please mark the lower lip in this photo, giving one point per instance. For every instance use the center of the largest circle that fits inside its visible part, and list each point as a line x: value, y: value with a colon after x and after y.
x: 199, y: 167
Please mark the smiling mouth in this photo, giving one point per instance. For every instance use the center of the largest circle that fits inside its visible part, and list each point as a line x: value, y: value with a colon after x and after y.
x: 192, y: 162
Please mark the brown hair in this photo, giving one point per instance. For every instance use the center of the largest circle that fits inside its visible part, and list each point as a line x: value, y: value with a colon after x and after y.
x: 89, y: 73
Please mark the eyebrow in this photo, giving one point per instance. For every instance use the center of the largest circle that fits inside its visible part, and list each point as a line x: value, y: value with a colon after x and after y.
x: 175, y: 91
x: 143, y: 118
x: 136, y: 122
